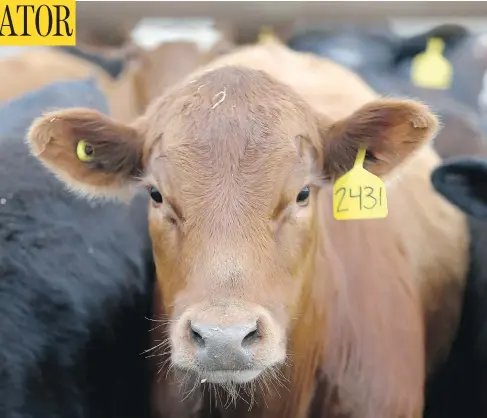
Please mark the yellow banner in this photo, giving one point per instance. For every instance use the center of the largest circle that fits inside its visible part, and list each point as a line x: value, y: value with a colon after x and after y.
x: 37, y: 23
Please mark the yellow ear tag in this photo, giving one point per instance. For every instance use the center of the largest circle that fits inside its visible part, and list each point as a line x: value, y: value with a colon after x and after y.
x: 430, y: 69
x: 85, y: 151
x: 266, y: 34
x: 359, y: 194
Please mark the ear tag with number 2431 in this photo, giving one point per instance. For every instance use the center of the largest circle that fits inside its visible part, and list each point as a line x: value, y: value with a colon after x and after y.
x: 359, y: 194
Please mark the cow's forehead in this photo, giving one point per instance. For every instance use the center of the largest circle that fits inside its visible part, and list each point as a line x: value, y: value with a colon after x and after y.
x: 195, y: 174
x: 232, y: 103
x: 236, y: 130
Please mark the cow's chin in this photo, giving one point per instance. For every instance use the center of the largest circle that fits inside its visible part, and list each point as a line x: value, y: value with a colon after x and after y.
x: 230, y: 376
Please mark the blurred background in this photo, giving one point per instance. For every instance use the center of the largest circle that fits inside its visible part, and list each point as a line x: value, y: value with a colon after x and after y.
x: 432, y: 51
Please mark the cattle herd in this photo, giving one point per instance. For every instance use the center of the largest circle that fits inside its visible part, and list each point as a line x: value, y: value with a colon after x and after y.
x: 167, y: 241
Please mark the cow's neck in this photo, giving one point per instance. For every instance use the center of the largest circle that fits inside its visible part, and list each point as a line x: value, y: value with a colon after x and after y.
x: 370, y: 283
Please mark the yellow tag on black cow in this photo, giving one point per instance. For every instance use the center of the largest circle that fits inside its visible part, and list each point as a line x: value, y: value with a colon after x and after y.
x: 266, y: 34
x: 359, y: 194
x: 430, y: 69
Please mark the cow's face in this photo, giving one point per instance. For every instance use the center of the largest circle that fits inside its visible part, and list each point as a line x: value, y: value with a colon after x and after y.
x: 234, y: 163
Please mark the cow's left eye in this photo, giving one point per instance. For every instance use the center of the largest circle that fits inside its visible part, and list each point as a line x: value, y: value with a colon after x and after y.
x: 155, y: 195
x: 303, y: 196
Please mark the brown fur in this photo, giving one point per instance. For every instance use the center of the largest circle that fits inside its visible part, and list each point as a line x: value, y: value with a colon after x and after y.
x: 145, y: 76
x: 36, y: 68
x: 152, y: 72
x: 351, y: 302
x: 116, y: 154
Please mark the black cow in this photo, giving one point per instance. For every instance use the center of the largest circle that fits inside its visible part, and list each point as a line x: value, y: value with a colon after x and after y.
x: 383, y: 60
x: 460, y: 388
x: 76, y: 283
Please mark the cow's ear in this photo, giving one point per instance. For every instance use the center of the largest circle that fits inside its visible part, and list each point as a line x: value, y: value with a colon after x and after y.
x: 91, y: 153
x: 389, y: 129
x: 463, y: 182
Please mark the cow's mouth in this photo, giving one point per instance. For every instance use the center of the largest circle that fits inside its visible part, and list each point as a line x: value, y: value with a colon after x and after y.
x: 230, y: 376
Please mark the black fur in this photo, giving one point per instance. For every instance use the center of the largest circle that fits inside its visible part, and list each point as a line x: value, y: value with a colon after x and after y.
x: 460, y: 387
x: 463, y: 182
x: 75, y: 283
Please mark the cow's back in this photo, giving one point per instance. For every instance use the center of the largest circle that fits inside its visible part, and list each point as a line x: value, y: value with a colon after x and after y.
x: 327, y: 86
x: 75, y: 283
x: 40, y: 67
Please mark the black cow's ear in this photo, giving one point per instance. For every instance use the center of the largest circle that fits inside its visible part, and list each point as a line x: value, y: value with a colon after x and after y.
x: 463, y: 182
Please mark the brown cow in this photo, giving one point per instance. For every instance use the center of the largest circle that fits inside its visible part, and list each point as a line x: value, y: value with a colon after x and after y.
x: 149, y: 73
x: 262, y: 289
x: 128, y: 95
x: 35, y: 68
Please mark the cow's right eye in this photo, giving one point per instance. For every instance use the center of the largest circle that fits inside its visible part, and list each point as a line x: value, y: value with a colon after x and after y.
x: 155, y: 195
x: 303, y: 196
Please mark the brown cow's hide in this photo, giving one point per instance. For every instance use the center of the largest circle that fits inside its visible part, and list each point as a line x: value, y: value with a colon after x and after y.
x: 151, y: 69
x: 147, y: 72
x: 367, y: 297
x: 35, y: 68
x: 433, y: 232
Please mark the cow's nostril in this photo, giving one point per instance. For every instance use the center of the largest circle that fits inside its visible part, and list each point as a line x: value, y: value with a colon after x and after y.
x: 196, y: 337
x: 220, y: 347
x: 252, y: 337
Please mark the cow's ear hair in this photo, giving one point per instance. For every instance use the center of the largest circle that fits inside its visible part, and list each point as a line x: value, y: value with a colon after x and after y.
x: 463, y: 182
x: 390, y: 129
x: 90, y: 152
